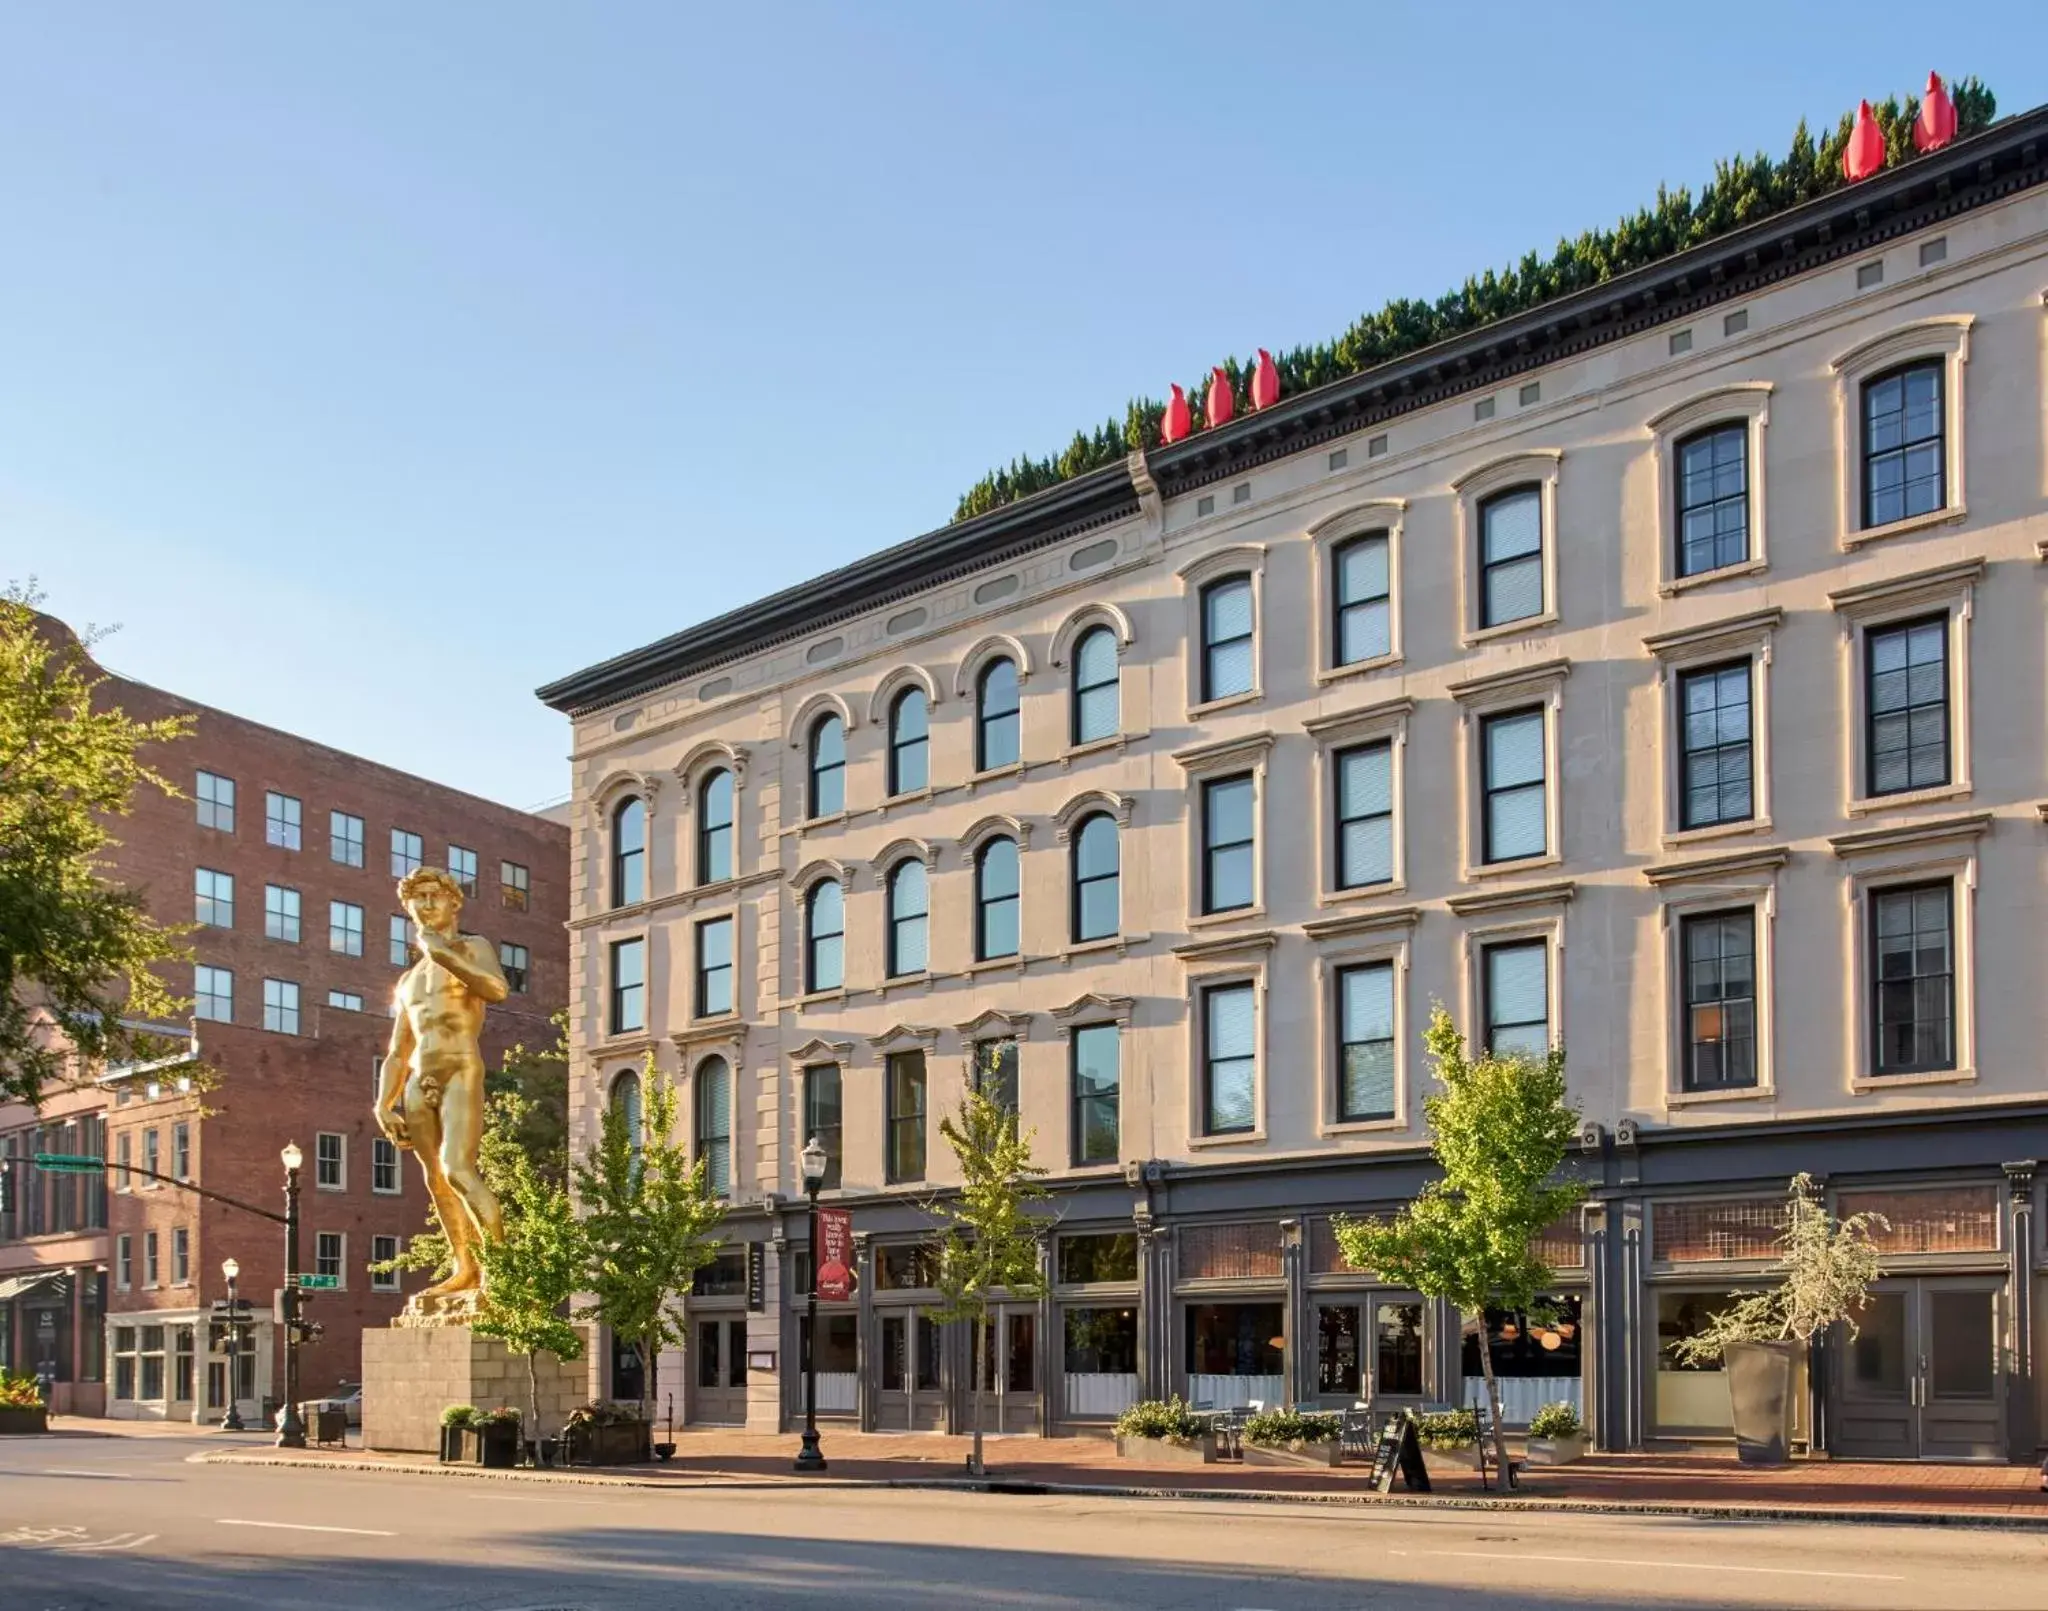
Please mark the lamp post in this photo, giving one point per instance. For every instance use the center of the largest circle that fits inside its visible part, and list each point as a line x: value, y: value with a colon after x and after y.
x: 808, y: 1458
x: 232, y: 1421
x: 291, y: 1431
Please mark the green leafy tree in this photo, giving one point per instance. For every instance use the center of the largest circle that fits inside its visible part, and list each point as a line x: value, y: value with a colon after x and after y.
x: 500, y: 1156
x: 539, y: 1076
x: 533, y: 1271
x: 650, y: 1223
x: 989, y: 1246
x: 76, y: 949
x: 1499, y: 1129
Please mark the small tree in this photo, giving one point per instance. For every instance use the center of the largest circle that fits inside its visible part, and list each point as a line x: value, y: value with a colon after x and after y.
x: 500, y: 1156
x: 1499, y: 1130
x: 990, y: 1241
x: 533, y: 1271
x: 1825, y: 1267
x: 539, y: 1076
x: 650, y: 1224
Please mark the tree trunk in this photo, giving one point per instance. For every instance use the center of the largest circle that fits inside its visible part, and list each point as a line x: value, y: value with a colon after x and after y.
x: 974, y: 1465
x: 1500, y: 1437
x: 533, y: 1398
x: 649, y: 1388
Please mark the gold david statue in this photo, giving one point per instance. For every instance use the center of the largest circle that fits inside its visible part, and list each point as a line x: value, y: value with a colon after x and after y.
x: 430, y: 1095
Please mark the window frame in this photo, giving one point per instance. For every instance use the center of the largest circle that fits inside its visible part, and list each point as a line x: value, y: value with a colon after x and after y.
x: 1205, y: 991
x: 1745, y: 638
x: 1079, y: 883
x: 1685, y: 679
x: 1205, y: 794
x: 983, y: 717
x: 1873, y: 992
x: 1875, y: 606
x: 1684, y: 920
x: 1530, y: 492
x: 515, y: 886
x: 388, y: 1281
x: 1064, y: 656
x: 1868, y: 456
x: 835, y: 1150
x: 714, y: 1066
x: 203, y: 903
x: 1744, y: 405
x: 812, y: 934
x: 347, y: 833
x: 202, y: 996
x: 1490, y: 790
x: 459, y: 857
x: 283, y: 909
x: 1196, y: 579
x: 627, y: 864
x: 408, y: 852
x: 1393, y: 958
x: 1540, y: 468
x: 284, y: 820
x: 984, y: 902
x: 287, y: 1005
x: 702, y: 972
x: 1210, y: 646
x: 339, y: 1261
x: 1078, y: 690
x: 385, y: 1160
x: 894, y: 922
x: 1487, y: 1026
x: 1204, y: 763
x: 211, y: 810
x: 1505, y: 694
x: 517, y: 969
x: 895, y: 1122
x: 1942, y: 339
x: 339, y: 915
x: 816, y: 772
x: 1906, y: 627
x: 1079, y: 1101
x: 618, y: 993
x: 898, y: 746
x: 1539, y: 919
x: 323, y: 1154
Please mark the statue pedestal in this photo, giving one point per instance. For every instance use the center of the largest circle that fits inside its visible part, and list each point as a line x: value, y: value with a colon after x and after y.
x: 413, y: 1371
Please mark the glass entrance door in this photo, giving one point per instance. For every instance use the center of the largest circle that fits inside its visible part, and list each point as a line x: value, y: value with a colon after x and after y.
x: 718, y: 1375
x: 1920, y: 1380
x: 1369, y: 1349
x: 1009, y: 1372
x: 911, y: 1396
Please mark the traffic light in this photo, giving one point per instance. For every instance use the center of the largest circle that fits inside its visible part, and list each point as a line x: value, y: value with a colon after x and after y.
x: 6, y: 1185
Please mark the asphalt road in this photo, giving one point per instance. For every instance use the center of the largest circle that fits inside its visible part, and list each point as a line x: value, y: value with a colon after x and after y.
x: 120, y: 1522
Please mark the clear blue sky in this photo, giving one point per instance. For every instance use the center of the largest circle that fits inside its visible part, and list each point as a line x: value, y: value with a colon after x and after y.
x: 349, y: 348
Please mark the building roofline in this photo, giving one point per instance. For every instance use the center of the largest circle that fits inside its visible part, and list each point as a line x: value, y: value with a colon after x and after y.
x: 1987, y: 168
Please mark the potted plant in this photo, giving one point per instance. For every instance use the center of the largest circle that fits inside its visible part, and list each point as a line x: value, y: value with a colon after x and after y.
x: 1293, y: 1438
x: 601, y: 1433
x: 456, y: 1422
x: 1557, y: 1436
x: 1824, y: 1269
x: 1448, y: 1431
x: 21, y: 1405
x: 497, y: 1438
x: 1164, y: 1432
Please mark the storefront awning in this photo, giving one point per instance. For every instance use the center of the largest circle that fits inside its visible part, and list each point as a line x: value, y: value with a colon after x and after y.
x: 16, y: 1286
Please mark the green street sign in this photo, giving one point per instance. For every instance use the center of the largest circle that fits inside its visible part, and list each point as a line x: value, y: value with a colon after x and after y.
x: 70, y: 1163
x: 319, y: 1283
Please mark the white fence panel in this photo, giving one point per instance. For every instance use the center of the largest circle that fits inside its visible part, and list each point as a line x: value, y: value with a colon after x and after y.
x: 1106, y: 1393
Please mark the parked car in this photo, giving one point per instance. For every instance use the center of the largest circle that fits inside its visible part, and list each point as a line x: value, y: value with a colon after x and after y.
x: 345, y: 1398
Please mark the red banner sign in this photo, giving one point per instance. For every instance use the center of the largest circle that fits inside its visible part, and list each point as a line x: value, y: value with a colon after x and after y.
x: 835, y: 1254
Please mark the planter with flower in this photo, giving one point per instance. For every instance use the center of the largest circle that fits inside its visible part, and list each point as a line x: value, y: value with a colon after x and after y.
x: 601, y: 1433
x: 1557, y: 1436
x: 21, y: 1405
x: 1293, y: 1438
x: 1164, y: 1433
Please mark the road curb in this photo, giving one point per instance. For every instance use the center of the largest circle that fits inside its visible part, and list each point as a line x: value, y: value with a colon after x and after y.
x: 1026, y: 1486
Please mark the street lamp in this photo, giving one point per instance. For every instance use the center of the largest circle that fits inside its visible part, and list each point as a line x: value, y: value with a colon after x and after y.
x: 808, y: 1458
x: 291, y: 1431
x: 232, y: 1421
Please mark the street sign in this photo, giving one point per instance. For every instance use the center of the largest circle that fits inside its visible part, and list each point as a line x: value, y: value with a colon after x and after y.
x: 317, y: 1283
x: 835, y: 1254
x: 70, y: 1163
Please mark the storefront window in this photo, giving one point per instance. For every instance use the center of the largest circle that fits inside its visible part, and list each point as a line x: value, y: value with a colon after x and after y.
x: 1102, y: 1342
x: 1397, y: 1348
x: 1337, y: 1349
x: 897, y: 1330
x: 1689, y: 1396
x: 1535, y: 1356
x: 92, y: 1338
x: 724, y: 1277
x: 182, y: 1388
x: 906, y: 1267
x: 1236, y: 1339
x: 124, y: 1362
x: 628, y: 1375
x: 838, y: 1344
x: 150, y: 1359
x: 1016, y: 1354
x: 1086, y: 1259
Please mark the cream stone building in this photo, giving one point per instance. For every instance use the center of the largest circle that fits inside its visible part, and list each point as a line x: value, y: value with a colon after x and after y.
x: 1660, y: 672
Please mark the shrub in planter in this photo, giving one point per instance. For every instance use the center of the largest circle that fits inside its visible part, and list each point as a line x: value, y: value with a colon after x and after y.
x: 497, y: 1438
x: 1556, y: 1434
x: 21, y: 1405
x: 456, y: 1422
x: 1447, y: 1431
x: 601, y: 1433
x: 1164, y: 1430
x: 1290, y: 1437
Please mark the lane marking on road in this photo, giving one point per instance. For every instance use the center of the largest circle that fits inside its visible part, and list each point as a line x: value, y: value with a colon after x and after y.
x: 94, y: 1476
x: 306, y: 1527
x: 118, y: 1541
x: 1674, y: 1566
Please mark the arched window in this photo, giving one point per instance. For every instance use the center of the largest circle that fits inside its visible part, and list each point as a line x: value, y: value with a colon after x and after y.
x: 1361, y: 592
x: 629, y: 852
x: 909, y: 742
x: 626, y: 1102
x: 909, y: 908
x: 995, y: 900
x: 1095, y: 878
x: 828, y: 767
x: 714, y: 1123
x: 714, y: 828
x: 1511, y: 556
x: 996, y: 730
x: 1227, y: 638
x: 825, y: 936
x: 1095, y: 690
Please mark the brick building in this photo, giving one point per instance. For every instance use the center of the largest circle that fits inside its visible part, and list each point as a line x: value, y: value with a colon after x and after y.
x: 285, y: 855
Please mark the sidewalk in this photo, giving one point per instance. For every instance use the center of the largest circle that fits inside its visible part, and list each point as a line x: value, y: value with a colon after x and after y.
x: 1649, y: 1483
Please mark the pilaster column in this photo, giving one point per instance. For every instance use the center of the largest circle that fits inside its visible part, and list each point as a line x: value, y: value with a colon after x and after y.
x: 2022, y: 1415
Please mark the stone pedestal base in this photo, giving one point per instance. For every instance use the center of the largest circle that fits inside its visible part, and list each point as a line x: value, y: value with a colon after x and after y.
x: 412, y: 1373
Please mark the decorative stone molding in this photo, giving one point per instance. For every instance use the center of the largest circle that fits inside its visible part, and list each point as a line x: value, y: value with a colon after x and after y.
x: 996, y: 646
x: 1098, y: 612
x: 992, y: 827
x: 1090, y: 1007
x: 807, y: 714
x: 1087, y: 803
x: 893, y: 682
x: 994, y: 1025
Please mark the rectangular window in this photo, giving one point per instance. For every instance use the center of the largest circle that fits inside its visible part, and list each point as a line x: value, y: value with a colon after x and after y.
x: 629, y: 986
x: 408, y: 850
x: 124, y: 1176
x: 714, y: 967
x: 1713, y: 499
x: 213, y: 994
x: 281, y: 914
x: 1227, y: 663
x: 515, y: 886
x: 462, y: 863
x: 1093, y: 1260
x: 150, y: 1269
x: 328, y: 1161
x: 213, y: 898
x: 124, y: 1263
x: 401, y: 941
x: 216, y: 798
x: 281, y: 820
x: 181, y: 1151
x: 512, y: 962
x: 344, y: 839
x: 345, y: 928
x: 1517, y: 988
x: 383, y: 1166
x: 1365, y: 1071
x: 906, y: 1117
x: 181, y: 1256
x: 1365, y: 815
x: 1719, y: 953
x: 1229, y: 1059
x: 1715, y: 757
x: 1098, y: 1084
x: 1511, y: 762
x: 152, y: 1162
x: 1227, y: 866
x: 330, y: 1254
x: 1903, y: 452
x: 1906, y: 706
x: 995, y: 1072
x: 281, y: 1006
x: 183, y: 1355
x: 1511, y: 557
x: 383, y: 1249
x: 822, y: 1117
x: 152, y: 1358
x: 1913, y: 979
x: 1362, y: 589
x: 344, y: 1001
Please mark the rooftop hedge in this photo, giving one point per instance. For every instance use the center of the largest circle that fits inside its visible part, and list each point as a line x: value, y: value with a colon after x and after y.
x: 1742, y: 191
